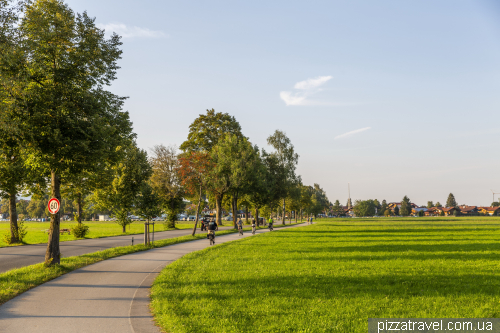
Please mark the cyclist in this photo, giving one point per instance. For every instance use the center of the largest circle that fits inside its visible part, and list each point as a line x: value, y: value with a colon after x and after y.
x: 270, y: 223
x: 240, y: 226
x: 253, y: 227
x: 212, y: 226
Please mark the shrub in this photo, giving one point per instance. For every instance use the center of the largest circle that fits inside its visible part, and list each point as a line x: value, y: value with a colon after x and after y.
x: 80, y: 230
x: 21, y: 233
x: 421, y: 213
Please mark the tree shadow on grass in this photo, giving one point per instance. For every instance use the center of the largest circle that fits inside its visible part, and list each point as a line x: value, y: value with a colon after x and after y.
x: 292, y: 290
x: 475, y: 247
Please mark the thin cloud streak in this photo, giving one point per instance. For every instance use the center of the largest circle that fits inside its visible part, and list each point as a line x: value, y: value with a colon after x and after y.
x: 130, y: 31
x: 351, y: 133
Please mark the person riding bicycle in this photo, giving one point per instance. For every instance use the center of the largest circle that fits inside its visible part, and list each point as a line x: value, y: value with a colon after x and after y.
x: 253, y: 226
x: 270, y: 223
x: 212, y: 226
x: 240, y: 226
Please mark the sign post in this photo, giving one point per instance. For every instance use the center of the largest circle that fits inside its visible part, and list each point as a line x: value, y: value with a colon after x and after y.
x: 54, y: 206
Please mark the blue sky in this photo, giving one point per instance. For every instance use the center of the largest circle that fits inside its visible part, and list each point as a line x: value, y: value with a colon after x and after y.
x: 395, y: 97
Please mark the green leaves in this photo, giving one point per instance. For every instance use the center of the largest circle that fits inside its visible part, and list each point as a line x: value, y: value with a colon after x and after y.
x: 206, y: 130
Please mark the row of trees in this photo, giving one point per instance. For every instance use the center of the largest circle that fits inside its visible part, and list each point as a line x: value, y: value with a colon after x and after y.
x: 375, y: 208
x: 63, y: 135
x: 218, y: 162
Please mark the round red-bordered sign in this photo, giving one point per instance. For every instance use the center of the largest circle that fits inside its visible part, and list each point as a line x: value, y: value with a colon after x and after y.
x: 54, y: 206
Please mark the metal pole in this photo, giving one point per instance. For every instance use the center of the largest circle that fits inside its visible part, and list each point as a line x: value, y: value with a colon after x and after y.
x: 132, y: 241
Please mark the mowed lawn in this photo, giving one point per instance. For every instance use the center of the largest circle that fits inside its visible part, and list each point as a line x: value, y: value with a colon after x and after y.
x: 36, y: 230
x: 334, y: 275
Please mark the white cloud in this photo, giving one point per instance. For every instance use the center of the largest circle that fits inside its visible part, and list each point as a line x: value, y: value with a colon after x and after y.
x: 305, y: 89
x: 291, y: 99
x: 130, y: 31
x: 312, y: 83
x: 351, y: 133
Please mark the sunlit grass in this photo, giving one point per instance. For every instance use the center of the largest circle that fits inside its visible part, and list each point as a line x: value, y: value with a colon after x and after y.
x: 333, y: 276
x: 37, y: 230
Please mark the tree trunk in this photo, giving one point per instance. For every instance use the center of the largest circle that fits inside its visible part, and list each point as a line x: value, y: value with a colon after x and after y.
x: 257, y: 217
x: 301, y: 215
x: 14, y: 230
x: 79, y: 203
x: 218, y: 207
x: 53, y: 253
x: 235, y: 207
x: 171, y: 222
x: 295, y: 216
x: 246, y: 214
x: 124, y: 228
x: 197, y: 214
x: 284, y: 215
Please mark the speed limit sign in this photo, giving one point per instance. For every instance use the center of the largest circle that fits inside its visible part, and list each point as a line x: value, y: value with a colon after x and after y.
x: 54, y: 206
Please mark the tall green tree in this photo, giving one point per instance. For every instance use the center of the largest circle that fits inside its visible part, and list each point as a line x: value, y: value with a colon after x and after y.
x: 235, y: 159
x: 364, y: 208
x: 207, y: 129
x: 258, y: 191
x: 405, y: 206
x: 204, y: 133
x: 60, y: 62
x: 13, y: 172
x: 148, y: 202
x: 451, y: 202
x: 337, y: 209
x: 166, y: 181
x: 430, y: 204
x: 274, y: 181
x: 383, y: 208
x: 288, y: 160
x: 122, y: 195
x: 194, y: 168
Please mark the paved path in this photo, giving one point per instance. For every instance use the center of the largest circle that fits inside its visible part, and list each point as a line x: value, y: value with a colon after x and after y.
x: 109, y: 296
x: 25, y: 255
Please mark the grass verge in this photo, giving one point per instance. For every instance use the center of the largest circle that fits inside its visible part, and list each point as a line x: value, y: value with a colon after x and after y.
x: 333, y: 276
x: 37, y: 235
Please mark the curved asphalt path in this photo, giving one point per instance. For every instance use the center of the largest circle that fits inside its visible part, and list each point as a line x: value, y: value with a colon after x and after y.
x: 24, y: 255
x: 109, y: 296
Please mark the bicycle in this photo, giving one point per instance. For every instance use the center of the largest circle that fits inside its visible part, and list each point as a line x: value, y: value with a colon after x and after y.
x: 253, y: 229
x: 271, y: 227
x: 211, y: 237
x: 240, y: 229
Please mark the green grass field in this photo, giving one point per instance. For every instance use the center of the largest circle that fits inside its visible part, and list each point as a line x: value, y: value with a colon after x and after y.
x: 334, y: 275
x: 36, y: 230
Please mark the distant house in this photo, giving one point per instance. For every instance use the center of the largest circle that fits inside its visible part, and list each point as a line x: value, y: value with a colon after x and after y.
x: 393, y: 205
x: 489, y: 210
x: 416, y: 210
x: 103, y: 217
x: 433, y: 211
x: 468, y: 210
x: 448, y: 211
x: 348, y: 211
